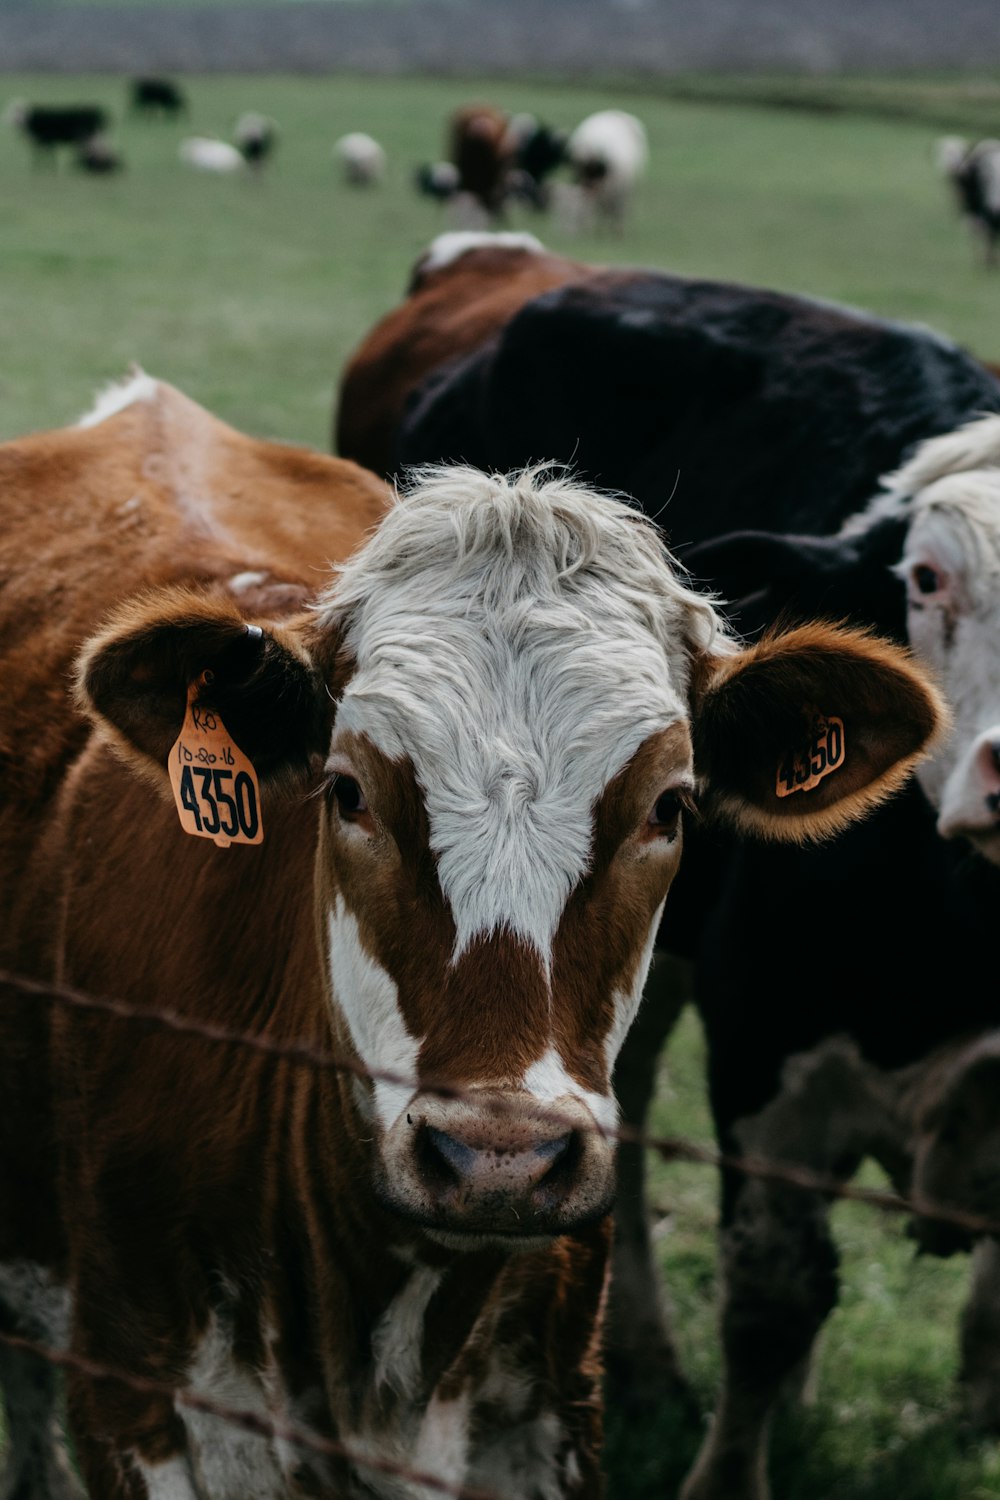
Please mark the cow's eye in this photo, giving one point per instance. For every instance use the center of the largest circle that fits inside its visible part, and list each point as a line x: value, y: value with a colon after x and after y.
x: 666, y: 814
x: 349, y: 796
x: 927, y: 580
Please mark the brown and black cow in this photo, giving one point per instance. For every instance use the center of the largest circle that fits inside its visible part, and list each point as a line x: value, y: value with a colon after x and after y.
x: 474, y: 750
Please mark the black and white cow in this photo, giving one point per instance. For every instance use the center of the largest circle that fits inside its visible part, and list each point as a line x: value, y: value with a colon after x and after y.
x: 724, y: 408
x: 973, y: 169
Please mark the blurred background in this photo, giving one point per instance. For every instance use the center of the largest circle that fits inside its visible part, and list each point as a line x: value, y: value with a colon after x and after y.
x: 791, y: 143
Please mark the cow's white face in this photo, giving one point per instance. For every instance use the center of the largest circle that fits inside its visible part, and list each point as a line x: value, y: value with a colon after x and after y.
x: 507, y: 769
x: 951, y: 566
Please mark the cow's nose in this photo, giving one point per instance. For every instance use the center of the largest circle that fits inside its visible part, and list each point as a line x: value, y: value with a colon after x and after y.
x: 520, y: 1170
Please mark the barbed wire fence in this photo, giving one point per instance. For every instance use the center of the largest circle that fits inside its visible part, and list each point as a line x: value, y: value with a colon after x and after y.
x: 670, y: 1149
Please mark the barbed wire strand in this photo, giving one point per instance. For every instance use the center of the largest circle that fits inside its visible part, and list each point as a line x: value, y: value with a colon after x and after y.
x: 255, y: 1422
x: 669, y: 1148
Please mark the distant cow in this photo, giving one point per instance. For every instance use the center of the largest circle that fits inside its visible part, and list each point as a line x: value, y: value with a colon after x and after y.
x: 207, y: 154
x: 608, y: 153
x: 256, y: 137
x: 48, y: 126
x: 437, y: 179
x: 757, y: 426
x: 157, y: 96
x: 361, y: 157
x: 974, y: 173
x: 538, y: 150
x: 98, y: 156
x: 483, y: 154
x: 416, y: 886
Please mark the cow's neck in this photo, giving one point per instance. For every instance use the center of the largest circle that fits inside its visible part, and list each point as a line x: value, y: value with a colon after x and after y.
x: 393, y: 1309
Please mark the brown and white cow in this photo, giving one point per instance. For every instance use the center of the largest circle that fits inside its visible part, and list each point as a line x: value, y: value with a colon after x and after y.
x: 457, y: 301
x: 474, y: 749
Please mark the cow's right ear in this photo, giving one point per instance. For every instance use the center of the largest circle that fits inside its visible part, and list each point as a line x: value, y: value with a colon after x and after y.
x: 134, y: 679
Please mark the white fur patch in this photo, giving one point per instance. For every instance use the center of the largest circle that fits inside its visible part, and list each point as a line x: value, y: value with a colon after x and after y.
x: 627, y: 1002
x: 397, y: 1340
x: 517, y: 639
x: 137, y: 386
x: 522, y: 1460
x: 240, y: 582
x: 448, y: 247
x: 548, y: 1081
x: 168, y: 1481
x: 228, y: 1462
x: 442, y: 1446
x: 369, y: 1001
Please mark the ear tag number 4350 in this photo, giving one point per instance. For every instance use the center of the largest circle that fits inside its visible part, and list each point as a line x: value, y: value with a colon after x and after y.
x: 822, y: 753
x: 215, y: 785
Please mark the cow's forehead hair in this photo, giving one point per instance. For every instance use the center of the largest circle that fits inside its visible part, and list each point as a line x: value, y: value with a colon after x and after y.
x: 958, y: 519
x: 517, y: 638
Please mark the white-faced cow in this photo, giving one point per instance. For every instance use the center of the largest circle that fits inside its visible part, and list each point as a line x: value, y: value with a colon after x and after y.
x: 721, y: 409
x: 473, y: 754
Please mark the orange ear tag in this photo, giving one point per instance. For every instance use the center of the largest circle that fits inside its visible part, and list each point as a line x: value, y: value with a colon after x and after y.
x: 824, y: 752
x: 215, y: 785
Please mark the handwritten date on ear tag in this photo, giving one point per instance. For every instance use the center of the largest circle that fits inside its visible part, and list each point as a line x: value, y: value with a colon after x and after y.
x: 215, y: 785
x: 823, y: 752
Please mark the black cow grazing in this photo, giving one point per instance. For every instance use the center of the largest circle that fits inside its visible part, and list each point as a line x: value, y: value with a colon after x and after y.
x: 157, y: 97
x: 255, y: 137
x: 539, y: 150
x: 974, y: 173
x: 757, y: 426
x: 48, y: 126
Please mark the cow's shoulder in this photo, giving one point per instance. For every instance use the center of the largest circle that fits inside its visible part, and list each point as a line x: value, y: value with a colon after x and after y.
x: 148, y: 490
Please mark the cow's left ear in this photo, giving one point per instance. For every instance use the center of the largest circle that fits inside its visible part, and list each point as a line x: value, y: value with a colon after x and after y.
x: 134, y: 680
x: 804, y: 732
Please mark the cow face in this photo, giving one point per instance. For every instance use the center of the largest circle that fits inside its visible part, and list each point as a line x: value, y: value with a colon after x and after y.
x: 951, y: 567
x: 525, y: 699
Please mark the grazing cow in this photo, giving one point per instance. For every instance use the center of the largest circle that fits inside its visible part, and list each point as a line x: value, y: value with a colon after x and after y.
x: 482, y: 151
x: 48, y: 126
x: 256, y: 136
x: 721, y: 409
x: 361, y: 157
x: 157, y: 96
x: 974, y: 173
x: 98, y: 157
x: 538, y: 150
x: 608, y: 153
x: 438, y: 180
x: 210, y: 155
x: 474, y: 750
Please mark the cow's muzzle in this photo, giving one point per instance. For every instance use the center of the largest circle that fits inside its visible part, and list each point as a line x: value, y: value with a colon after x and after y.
x: 498, y: 1164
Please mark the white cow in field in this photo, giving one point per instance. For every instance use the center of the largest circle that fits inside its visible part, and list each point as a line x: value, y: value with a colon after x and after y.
x: 362, y: 158
x: 608, y: 153
x: 210, y: 155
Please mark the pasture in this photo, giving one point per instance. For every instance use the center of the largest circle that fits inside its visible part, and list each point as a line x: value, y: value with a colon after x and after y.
x: 249, y: 294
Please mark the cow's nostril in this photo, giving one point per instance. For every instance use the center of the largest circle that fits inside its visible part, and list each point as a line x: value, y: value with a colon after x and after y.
x: 459, y: 1158
x: 437, y: 1167
x: 996, y: 755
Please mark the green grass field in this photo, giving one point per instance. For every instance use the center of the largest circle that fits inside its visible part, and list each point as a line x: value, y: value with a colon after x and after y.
x: 249, y: 295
